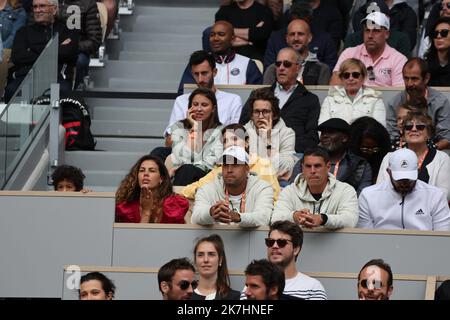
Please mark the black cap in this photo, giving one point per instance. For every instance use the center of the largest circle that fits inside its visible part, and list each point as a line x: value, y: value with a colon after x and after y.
x: 335, y: 124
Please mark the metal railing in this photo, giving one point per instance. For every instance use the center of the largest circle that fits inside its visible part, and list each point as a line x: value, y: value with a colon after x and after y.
x: 22, y: 117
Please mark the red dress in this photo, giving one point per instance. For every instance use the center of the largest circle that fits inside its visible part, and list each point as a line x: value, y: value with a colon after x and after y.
x: 174, y: 210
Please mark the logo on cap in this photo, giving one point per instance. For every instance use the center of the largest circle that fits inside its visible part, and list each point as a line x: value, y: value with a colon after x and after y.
x: 404, y: 164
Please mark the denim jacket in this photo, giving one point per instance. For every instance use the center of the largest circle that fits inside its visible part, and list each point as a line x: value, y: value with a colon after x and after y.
x: 10, y: 21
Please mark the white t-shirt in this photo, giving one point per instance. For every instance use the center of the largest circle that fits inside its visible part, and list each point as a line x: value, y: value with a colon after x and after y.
x: 229, y: 106
x: 301, y: 286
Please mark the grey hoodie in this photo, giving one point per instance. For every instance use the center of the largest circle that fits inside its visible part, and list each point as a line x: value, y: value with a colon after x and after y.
x: 258, y: 204
x: 338, y: 202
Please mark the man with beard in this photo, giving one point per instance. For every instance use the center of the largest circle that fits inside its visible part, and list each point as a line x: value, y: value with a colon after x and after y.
x: 312, y: 71
x: 403, y: 202
x: 235, y: 196
x: 232, y: 68
x: 284, y: 244
x: 416, y: 77
x: 384, y: 63
x: 176, y: 280
x: 316, y: 198
x: 375, y: 281
x: 263, y: 281
x: 203, y: 68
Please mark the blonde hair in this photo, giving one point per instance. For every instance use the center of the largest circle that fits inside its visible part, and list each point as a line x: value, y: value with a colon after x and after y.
x: 352, y: 62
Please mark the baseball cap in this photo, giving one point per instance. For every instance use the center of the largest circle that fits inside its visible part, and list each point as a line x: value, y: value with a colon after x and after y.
x: 237, y: 153
x: 337, y: 124
x: 403, y: 164
x: 379, y: 18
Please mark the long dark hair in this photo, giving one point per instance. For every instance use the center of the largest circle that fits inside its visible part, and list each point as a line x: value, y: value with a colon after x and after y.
x: 223, y: 278
x: 129, y: 189
x: 213, y: 120
x: 367, y: 127
x: 431, y: 55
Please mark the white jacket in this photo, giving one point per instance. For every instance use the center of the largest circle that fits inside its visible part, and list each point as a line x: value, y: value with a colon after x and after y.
x: 425, y: 208
x: 368, y: 102
x: 282, y: 142
x: 338, y: 202
x: 258, y: 202
x: 438, y: 170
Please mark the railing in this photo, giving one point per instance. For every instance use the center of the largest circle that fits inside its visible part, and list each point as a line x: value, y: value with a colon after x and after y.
x: 21, y: 118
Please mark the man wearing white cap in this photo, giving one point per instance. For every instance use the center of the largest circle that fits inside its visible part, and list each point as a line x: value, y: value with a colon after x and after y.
x: 384, y: 63
x: 235, y: 196
x: 403, y: 202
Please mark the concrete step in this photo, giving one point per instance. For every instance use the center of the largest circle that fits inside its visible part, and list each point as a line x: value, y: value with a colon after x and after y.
x: 172, y: 28
x: 161, y: 47
x: 148, y: 129
x: 105, y: 178
x: 142, y: 85
x: 136, y: 103
x: 153, y: 56
x: 144, y: 145
x: 162, y: 37
x: 102, y: 160
x: 132, y: 114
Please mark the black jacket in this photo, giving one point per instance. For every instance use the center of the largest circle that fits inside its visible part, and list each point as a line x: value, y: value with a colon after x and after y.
x: 91, y: 31
x: 31, y: 40
x: 301, y: 113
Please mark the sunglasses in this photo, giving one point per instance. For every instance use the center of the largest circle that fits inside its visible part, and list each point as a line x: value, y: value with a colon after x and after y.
x: 376, y: 284
x: 371, y: 73
x: 445, y: 5
x: 280, y: 242
x: 419, y: 127
x: 285, y: 63
x: 443, y: 33
x: 355, y: 75
x: 184, y: 284
x: 370, y: 150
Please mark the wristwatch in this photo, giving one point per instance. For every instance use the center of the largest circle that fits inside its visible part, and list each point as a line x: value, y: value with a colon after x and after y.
x: 324, y: 219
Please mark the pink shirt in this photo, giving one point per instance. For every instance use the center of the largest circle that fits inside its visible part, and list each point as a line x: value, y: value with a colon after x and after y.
x: 387, y: 68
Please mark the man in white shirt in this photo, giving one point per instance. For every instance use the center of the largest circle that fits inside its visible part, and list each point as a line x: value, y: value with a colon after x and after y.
x: 403, y: 202
x: 284, y: 244
x: 203, y: 67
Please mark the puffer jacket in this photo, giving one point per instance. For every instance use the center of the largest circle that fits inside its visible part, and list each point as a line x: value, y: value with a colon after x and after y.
x: 258, y: 203
x: 368, y: 102
x: 91, y: 31
x: 338, y: 202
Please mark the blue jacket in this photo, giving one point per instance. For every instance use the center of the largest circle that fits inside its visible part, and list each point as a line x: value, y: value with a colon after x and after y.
x: 11, y: 20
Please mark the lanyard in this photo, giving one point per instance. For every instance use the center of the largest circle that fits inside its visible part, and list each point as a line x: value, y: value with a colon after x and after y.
x: 422, y: 158
x: 336, y: 168
x: 241, y: 207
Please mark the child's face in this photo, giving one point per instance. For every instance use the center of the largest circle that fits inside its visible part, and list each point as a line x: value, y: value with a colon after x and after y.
x: 65, y: 186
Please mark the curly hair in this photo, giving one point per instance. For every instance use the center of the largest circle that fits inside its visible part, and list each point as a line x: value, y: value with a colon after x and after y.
x: 266, y: 94
x: 129, y: 189
x: 69, y: 173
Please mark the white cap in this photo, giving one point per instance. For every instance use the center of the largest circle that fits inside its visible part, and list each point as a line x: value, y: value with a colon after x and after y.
x: 238, y: 153
x: 403, y: 164
x: 379, y: 18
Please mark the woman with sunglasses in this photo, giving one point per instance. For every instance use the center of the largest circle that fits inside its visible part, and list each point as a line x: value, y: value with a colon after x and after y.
x: 434, y: 165
x: 145, y: 195
x: 353, y: 100
x: 438, y: 54
x: 196, y: 145
x: 370, y: 140
x: 211, y: 264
